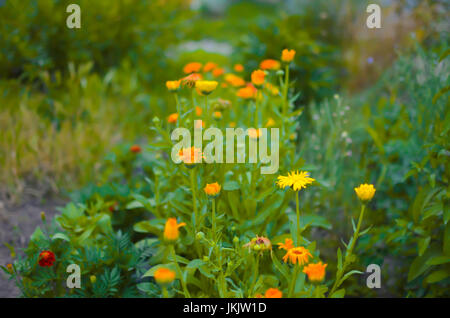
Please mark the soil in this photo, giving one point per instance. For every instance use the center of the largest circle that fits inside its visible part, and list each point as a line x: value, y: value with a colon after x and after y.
x: 17, y: 223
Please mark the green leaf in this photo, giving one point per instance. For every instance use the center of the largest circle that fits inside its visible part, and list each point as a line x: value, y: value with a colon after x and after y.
x: 338, y: 293
x: 423, y: 244
x: 231, y: 186
x: 420, y: 263
x: 437, y: 276
x: 61, y: 236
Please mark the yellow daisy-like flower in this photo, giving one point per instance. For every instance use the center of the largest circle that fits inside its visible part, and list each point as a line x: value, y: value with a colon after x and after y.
x: 173, y: 86
x: 206, y: 87
x: 365, y: 192
x: 287, y: 55
x: 212, y: 189
x: 298, y: 255
x: 295, y: 180
x: 164, y: 276
x: 171, y: 229
x: 287, y: 245
x: 315, y: 272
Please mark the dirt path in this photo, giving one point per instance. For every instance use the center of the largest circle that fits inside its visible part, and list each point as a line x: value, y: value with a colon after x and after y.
x: 17, y: 223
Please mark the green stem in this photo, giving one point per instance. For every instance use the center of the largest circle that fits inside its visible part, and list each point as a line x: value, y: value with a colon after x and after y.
x: 183, y: 283
x: 285, y: 94
x: 193, y: 106
x: 256, y: 109
x: 256, y: 270
x: 194, y: 197
x: 178, y: 109
x: 165, y: 293
x: 297, y: 208
x: 358, y: 227
x: 214, y: 219
x: 293, y: 281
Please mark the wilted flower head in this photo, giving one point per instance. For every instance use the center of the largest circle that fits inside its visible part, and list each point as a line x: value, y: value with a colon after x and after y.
x: 258, y: 77
x: 164, y: 276
x: 315, y: 272
x: 287, y: 55
x: 269, y: 64
x: 171, y: 232
x: 212, y: 189
x: 192, y: 67
x: 298, y: 255
x: 259, y: 243
x: 46, y: 259
x: 295, y: 180
x: 189, y: 81
x: 365, y: 192
x: 273, y: 293
x: 221, y: 104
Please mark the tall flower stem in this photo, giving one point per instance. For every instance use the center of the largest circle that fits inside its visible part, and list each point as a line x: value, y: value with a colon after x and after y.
x: 193, y: 106
x: 256, y: 109
x: 194, y: 197
x: 348, y: 253
x: 285, y: 95
x: 297, y: 209
x: 164, y: 292
x: 183, y: 283
x: 256, y: 271
x: 293, y: 281
x: 213, y: 219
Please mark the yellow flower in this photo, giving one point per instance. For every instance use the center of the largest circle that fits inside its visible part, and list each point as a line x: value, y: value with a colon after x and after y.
x: 287, y: 55
x: 238, y: 67
x: 193, y: 67
x: 273, y: 293
x: 93, y: 279
x: 287, y: 245
x: 212, y: 189
x: 365, y: 192
x: 164, y: 275
x: 173, y: 86
x: 172, y: 118
x: 298, y: 255
x: 269, y: 64
x: 270, y: 122
x: 206, y: 87
x: 315, y: 272
x: 209, y: 67
x: 295, y: 180
x: 190, y: 156
x: 217, y: 115
x: 258, y: 77
x: 171, y: 232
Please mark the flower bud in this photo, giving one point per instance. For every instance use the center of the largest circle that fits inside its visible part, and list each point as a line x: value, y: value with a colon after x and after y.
x: 43, y: 218
x: 236, y: 240
x: 93, y: 279
x: 200, y: 236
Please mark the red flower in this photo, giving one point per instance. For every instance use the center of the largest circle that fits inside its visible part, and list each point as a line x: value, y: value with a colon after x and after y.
x: 46, y: 258
x: 135, y: 149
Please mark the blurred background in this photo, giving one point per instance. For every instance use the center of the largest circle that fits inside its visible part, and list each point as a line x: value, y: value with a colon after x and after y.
x: 71, y: 97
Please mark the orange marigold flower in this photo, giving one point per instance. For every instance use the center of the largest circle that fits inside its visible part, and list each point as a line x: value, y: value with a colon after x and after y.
x: 190, y: 156
x: 171, y: 232
x: 212, y: 189
x: 218, y: 71
x: 258, y: 77
x: 287, y: 245
x: 209, y: 67
x: 217, y: 115
x: 46, y: 259
x: 173, y: 86
x: 198, y: 110
x: 172, y: 119
x: 298, y: 255
x: 269, y: 64
x: 238, y: 67
x: 273, y: 293
x: 234, y: 80
x: 232, y: 124
x: 189, y: 81
x: 287, y: 55
x: 258, y: 296
x: 315, y: 272
x: 135, y: 149
x: 192, y: 67
x: 247, y: 92
x: 164, y: 275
